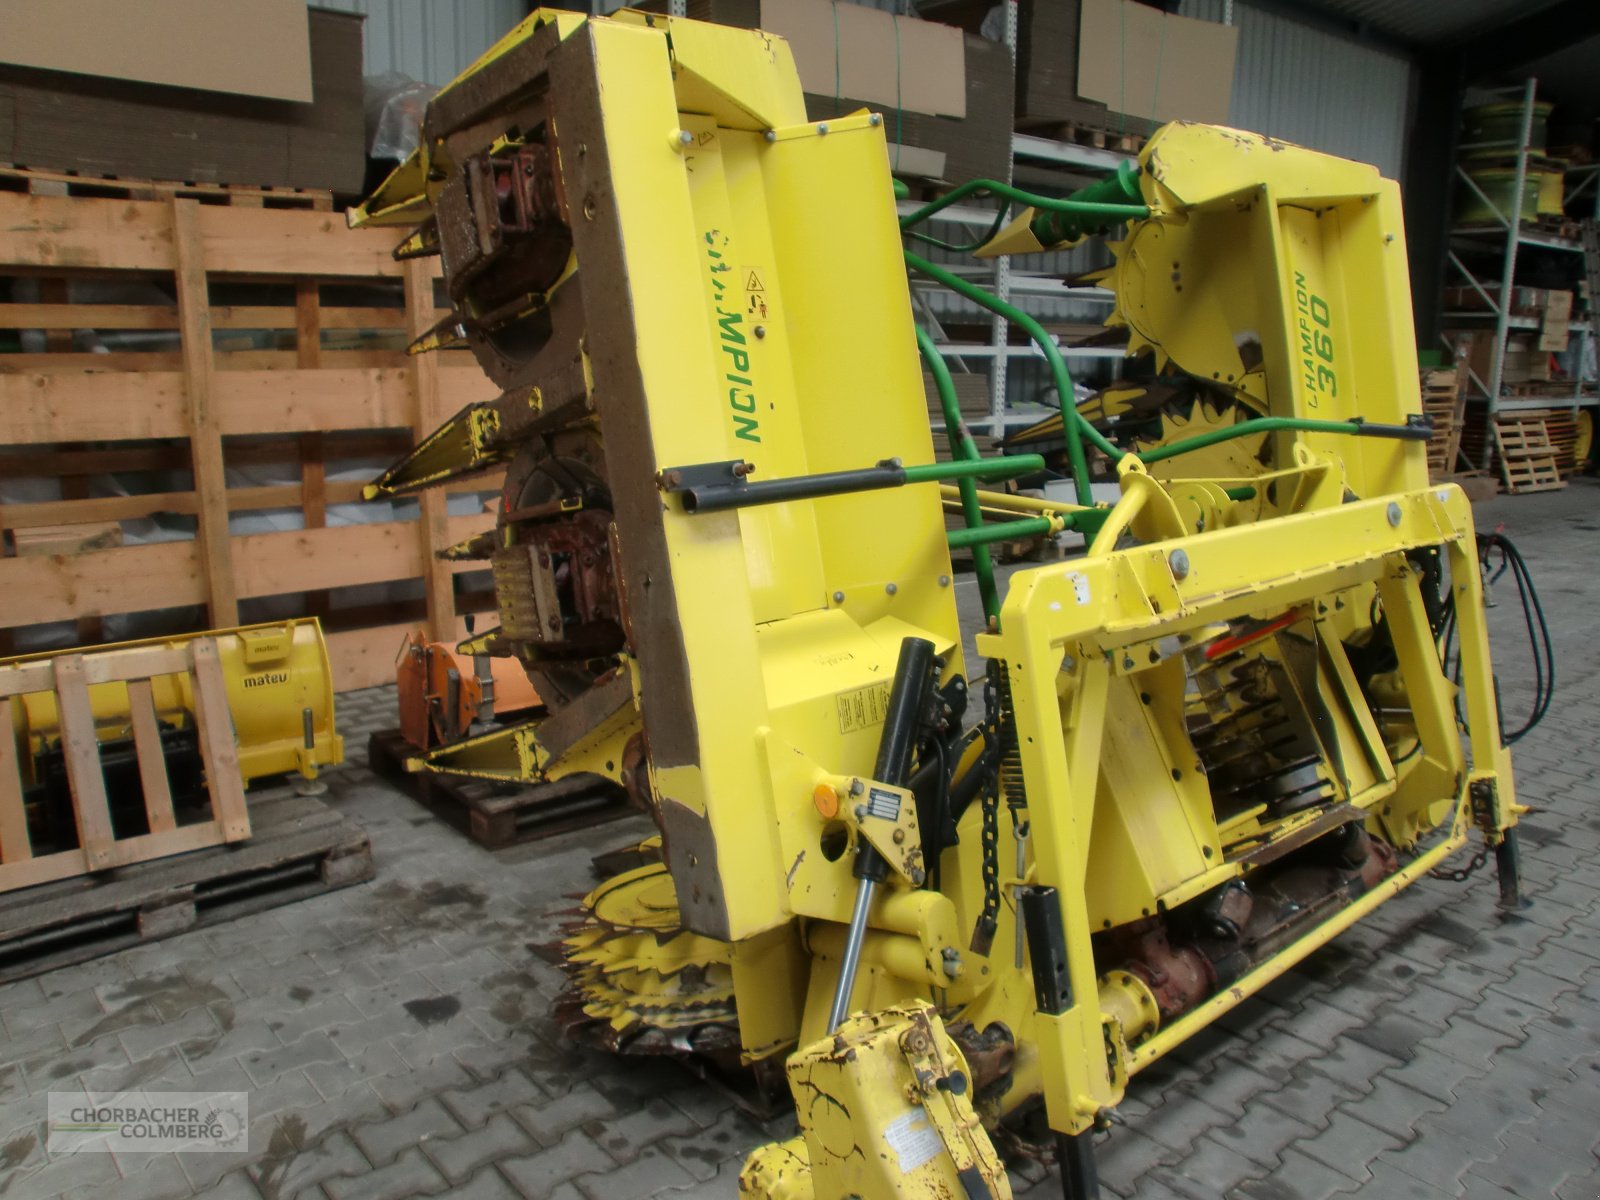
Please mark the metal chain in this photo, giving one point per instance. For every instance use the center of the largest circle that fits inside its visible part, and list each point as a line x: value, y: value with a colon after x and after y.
x: 997, y: 716
x: 1460, y: 874
x: 989, y: 919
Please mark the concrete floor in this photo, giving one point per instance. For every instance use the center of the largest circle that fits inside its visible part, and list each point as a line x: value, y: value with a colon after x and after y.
x: 393, y: 1039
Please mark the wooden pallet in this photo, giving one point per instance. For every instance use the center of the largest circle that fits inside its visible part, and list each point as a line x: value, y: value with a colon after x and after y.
x: 1117, y: 141
x: 34, y: 181
x: 99, y: 844
x: 309, y: 369
x: 1527, y: 458
x: 1443, y: 403
x: 492, y: 813
x: 299, y: 847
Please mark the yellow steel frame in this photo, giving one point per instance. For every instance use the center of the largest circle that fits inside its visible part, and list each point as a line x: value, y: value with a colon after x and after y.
x: 1099, y: 620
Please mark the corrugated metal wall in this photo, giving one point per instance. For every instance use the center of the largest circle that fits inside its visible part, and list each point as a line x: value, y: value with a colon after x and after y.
x: 429, y: 40
x: 1314, y: 88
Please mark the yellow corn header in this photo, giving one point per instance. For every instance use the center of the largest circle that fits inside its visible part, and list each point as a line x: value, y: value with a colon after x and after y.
x: 943, y: 894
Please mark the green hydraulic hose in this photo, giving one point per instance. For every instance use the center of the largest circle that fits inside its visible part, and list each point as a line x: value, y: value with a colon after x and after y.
x: 1089, y: 210
x: 1029, y: 527
x: 1074, y: 425
x: 962, y: 449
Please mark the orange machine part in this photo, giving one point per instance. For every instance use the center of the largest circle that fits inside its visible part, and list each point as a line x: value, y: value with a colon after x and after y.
x: 441, y: 694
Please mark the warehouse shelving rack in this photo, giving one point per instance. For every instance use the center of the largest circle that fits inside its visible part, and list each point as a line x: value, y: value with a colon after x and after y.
x: 1508, y: 233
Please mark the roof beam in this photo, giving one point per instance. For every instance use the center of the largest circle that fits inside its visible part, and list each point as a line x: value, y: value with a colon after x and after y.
x: 1509, y: 46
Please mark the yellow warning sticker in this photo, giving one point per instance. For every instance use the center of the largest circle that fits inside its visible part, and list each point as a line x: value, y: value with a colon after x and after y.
x: 752, y: 281
x: 863, y: 707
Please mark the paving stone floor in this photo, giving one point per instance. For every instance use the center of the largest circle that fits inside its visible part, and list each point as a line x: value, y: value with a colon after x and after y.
x: 393, y: 1039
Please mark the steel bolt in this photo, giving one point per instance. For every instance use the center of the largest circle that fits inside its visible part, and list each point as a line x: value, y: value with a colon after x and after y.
x: 771, y: 135
x: 944, y: 581
x: 875, y: 119
x: 761, y: 331
x: 857, y: 787
x: 952, y: 961
x: 899, y: 836
x: 890, y: 588
x: 1178, y: 560
x: 1394, y: 515
x: 838, y: 597
x: 822, y: 128
x: 685, y: 137
x: 861, y: 812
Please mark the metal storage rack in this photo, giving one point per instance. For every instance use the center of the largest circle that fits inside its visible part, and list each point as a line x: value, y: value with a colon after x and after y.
x: 1511, y: 236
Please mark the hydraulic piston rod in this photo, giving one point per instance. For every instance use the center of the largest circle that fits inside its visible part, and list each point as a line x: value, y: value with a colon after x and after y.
x: 911, y: 678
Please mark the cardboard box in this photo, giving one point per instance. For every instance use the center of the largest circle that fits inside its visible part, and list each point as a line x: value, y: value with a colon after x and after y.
x: 1554, y: 329
x: 1047, y: 68
x: 1161, y: 66
x: 1524, y: 361
x: 977, y: 146
x: 974, y: 145
x: 1070, y: 55
x: 888, y: 61
x: 251, y: 47
x: 100, y: 126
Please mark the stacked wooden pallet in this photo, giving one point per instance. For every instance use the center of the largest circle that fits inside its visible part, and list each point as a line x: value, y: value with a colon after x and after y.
x: 1092, y: 136
x: 303, y: 365
x: 34, y: 182
x: 1561, y: 426
x: 1527, y: 457
x: 1442, y: 403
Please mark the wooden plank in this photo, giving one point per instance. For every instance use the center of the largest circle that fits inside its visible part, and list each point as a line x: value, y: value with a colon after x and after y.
x: 240, y: 499
x: 205, y: 428
x: 106, y: 666
x: 48, y: 461
x: 182, y: 840
x: 270, y: 564
x: 429, y: 415
x: 128, y: 405
x: 80, y: 232
x: 288, y: 242
x: 135, y: 662
x: 218, y: 747
x: 81, y: 750
x: 19, y: 679
x: 15, y: 844
x: 66, y: 538
x: 237, y: 354
x: 166, y: 574
x: 129, y: 508
x: 45, y: 869
x: 165, y: 316
x: 127, y: 579
x: 152, y: 762
x: 43, y: 231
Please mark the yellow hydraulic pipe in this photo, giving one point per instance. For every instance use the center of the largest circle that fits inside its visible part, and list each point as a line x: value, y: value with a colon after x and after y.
x: 1004, y: 501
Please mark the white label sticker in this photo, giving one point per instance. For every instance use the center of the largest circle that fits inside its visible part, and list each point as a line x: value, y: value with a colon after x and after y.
x: 1080, y: 586
x: 913, y: 1140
